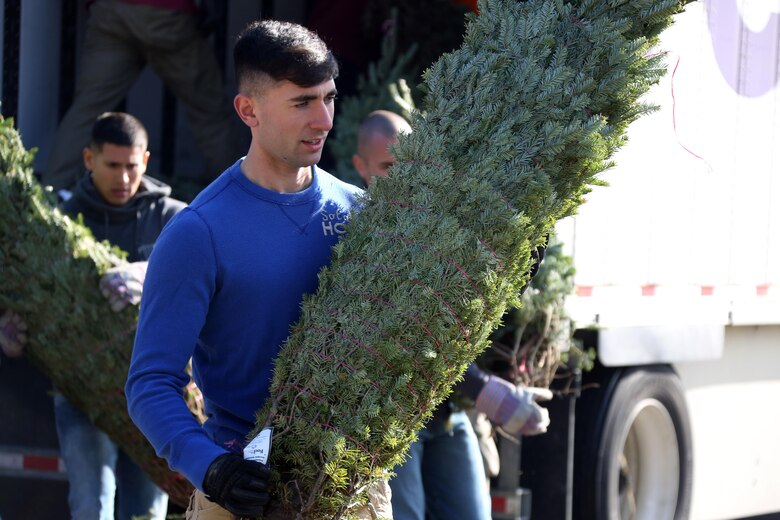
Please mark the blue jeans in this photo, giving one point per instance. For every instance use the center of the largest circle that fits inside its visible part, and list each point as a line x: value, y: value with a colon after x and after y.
x: 443, y: 476
x: 98, y: 470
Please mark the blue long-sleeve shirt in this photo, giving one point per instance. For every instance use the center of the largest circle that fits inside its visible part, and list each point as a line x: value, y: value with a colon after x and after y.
x: 225, y: 282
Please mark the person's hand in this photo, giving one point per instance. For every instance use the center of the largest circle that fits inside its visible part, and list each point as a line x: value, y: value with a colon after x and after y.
x: 237, y: 484
x: 122, y: 285
x: 13, y: 334
x: 514, y: 409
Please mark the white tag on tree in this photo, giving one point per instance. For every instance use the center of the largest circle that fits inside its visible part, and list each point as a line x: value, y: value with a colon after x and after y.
x: 259, y: 448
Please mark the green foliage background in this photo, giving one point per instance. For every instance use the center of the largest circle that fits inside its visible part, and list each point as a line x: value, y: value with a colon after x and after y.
x: 384, y: 86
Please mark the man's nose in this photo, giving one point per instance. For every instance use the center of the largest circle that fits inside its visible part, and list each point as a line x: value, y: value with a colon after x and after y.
x: 323, y: 118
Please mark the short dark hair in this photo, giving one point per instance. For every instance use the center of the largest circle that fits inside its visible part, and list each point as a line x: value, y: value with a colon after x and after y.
x: 282, y: 51
x: 120, y: 129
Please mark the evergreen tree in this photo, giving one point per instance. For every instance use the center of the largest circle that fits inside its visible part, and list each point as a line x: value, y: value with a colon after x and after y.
x: 515, y: 126
x: 51, y: 266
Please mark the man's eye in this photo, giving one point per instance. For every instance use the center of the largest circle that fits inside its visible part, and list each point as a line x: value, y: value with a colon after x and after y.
x: 302, y: 105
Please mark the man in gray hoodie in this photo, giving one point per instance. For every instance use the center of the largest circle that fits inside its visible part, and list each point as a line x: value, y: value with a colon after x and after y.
x: 119, y: 204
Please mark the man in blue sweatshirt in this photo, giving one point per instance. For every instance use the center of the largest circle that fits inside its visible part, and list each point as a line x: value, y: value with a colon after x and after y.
x: 228, y: 274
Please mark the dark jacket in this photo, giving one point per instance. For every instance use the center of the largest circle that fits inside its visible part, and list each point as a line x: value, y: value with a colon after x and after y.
x: 133, y: 227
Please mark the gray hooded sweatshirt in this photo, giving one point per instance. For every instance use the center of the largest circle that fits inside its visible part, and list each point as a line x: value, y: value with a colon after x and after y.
x: 133, y: 227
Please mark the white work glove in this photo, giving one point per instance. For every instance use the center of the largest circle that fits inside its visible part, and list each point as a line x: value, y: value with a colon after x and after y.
x: 513, y: 408
x: 122, y: 285
x: 12, y: 334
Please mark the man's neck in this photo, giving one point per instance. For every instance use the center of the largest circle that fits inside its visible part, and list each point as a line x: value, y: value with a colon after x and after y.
x: 278, y: 179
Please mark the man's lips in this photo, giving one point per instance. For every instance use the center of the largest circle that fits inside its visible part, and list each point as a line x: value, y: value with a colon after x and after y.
x: 315, y: 143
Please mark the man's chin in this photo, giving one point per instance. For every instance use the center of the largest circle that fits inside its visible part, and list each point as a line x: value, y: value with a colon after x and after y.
x: 311, y: 160
x: 119, y: 201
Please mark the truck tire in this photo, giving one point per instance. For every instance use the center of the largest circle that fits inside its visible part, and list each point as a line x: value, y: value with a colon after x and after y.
x: 636, y: 458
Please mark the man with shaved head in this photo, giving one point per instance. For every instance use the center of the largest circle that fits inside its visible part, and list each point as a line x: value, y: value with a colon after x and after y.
x: 376, y: 134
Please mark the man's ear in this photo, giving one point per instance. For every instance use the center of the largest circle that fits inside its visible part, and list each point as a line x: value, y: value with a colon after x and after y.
x: 245, y: 108
x: 86, y: 153
x: 360, y: 166
x: 145, y: 160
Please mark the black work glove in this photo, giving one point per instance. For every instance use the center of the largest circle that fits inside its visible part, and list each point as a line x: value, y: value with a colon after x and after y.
x: 238, y: 485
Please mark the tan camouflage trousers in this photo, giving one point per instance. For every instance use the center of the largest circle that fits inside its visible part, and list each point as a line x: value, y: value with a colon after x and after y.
x: 378, y: 508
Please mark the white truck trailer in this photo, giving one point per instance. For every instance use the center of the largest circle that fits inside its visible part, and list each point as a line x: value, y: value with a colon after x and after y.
x: 678, y: 279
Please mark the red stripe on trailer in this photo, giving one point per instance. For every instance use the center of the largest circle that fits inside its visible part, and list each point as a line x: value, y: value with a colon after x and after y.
x: 27, y: 462
x: 652, y: 290
x: 39, y: 463
x: 498, y: 504
x: 584, y: 290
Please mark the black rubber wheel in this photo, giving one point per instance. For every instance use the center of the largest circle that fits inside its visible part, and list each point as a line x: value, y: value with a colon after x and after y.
x: 634, y: 448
